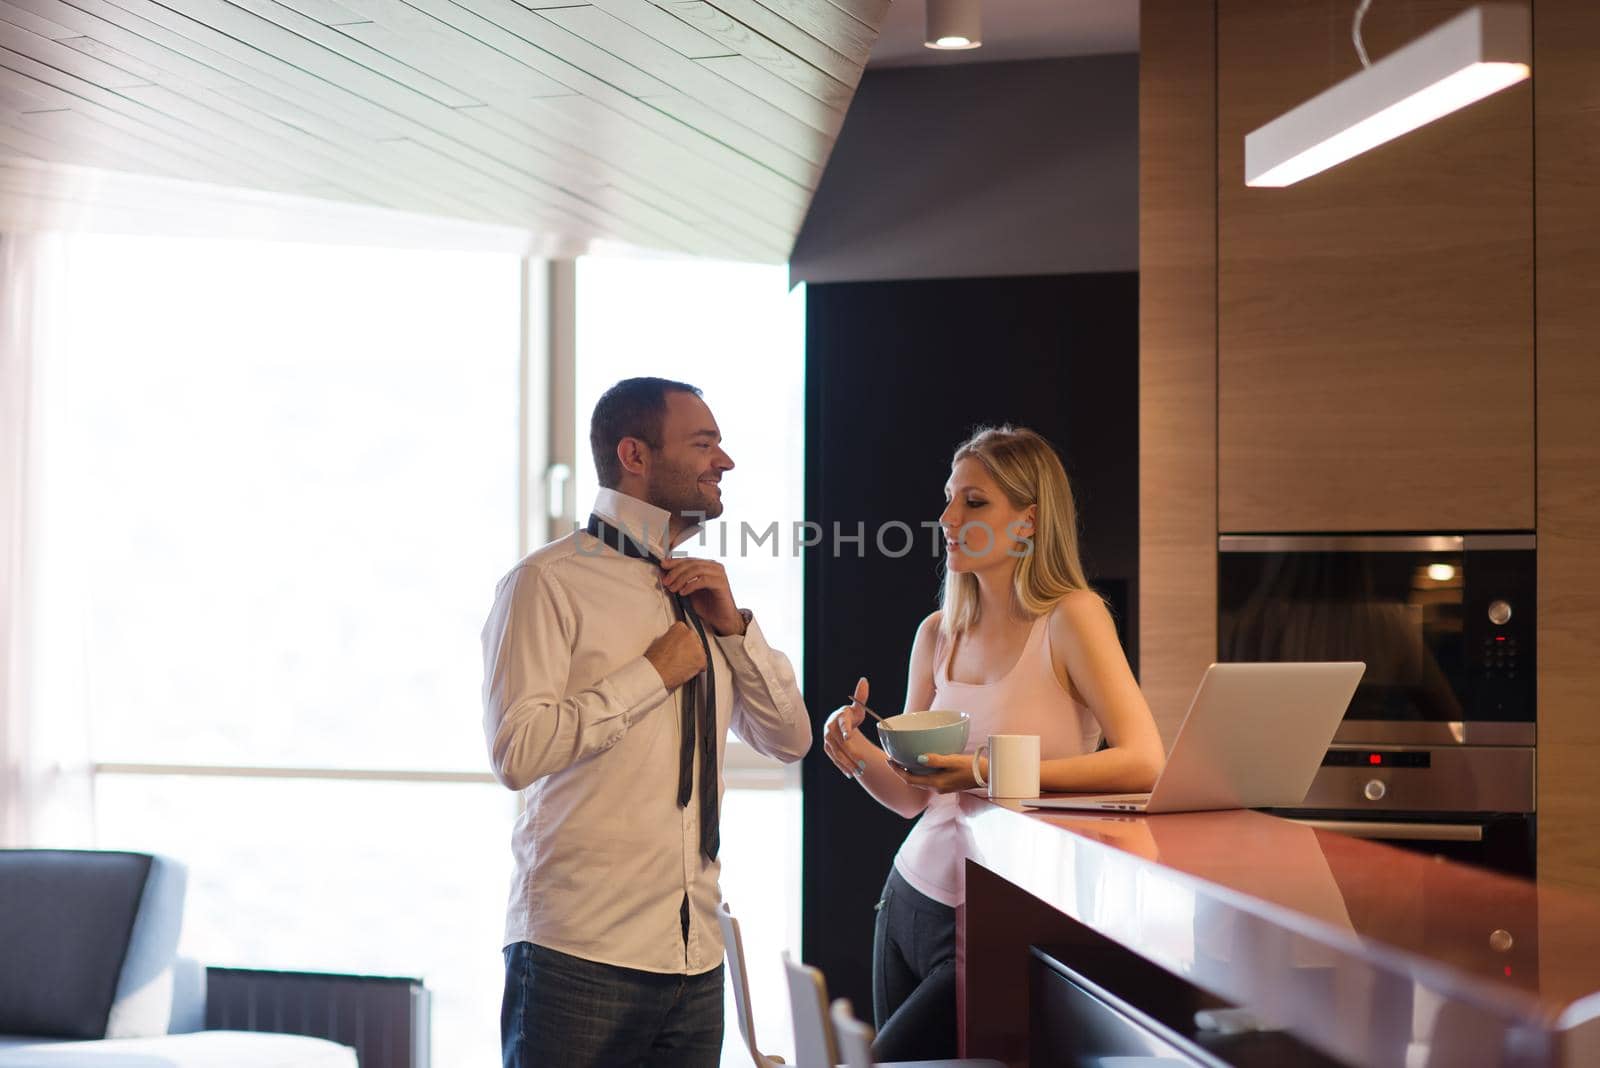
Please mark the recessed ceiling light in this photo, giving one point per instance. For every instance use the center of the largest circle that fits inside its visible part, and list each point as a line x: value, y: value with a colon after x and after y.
x: 953, y: 24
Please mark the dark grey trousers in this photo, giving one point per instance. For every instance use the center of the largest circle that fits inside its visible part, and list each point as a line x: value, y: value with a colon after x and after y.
x: 913, y: 975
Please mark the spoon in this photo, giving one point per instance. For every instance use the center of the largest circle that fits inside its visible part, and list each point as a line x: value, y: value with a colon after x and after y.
x: 864, y: 708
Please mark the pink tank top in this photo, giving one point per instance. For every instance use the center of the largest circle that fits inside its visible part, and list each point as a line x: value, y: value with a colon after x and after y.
x: 1028, y: 700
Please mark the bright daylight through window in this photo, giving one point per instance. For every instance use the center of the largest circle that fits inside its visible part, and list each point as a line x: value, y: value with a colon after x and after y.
x: 279, y: 485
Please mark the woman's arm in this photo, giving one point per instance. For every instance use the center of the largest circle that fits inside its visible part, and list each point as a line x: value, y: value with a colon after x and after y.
x: 1084, y: 643
x: 850, y: 749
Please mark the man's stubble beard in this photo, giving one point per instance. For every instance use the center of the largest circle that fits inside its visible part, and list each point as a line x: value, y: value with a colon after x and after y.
x: 677, y: 490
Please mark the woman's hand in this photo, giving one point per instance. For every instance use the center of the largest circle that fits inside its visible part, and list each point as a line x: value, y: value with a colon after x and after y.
x: 842, y: 739
x: 954, y: 773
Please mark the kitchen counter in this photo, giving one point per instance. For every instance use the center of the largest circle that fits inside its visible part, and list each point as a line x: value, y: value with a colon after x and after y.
x: 1363, y: 952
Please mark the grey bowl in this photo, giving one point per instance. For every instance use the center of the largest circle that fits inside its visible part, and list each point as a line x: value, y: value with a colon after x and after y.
x: 912, y: 734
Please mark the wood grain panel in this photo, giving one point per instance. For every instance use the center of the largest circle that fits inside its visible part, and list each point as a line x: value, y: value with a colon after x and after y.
x: 692, y: 79
x: 496, y: 24
x: 513, y: 169
x: 89, y: 109
x: 630, y: 154
x: 1375, y: 328
x: 1177, y: 354
x: 730, y: 20
x: 1567, y: 159
x: 256, y: 62
x: 702, y: 131
x: 744, y: 41
x: 664, y: 26
x: 33, y: 23
x: 761, y: 82
x: 49, y: 196
x: 848, y: 36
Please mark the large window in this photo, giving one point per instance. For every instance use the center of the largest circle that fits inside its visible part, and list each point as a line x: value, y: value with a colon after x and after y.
x: 282, y: 483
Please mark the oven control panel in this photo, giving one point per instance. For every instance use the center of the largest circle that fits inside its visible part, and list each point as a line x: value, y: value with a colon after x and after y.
x: 1389, y: 778
x: 1378, y: 758
x: 1499, y: 657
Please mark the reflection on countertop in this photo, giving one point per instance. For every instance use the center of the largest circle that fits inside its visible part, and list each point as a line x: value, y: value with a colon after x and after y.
x: 1374, y: 954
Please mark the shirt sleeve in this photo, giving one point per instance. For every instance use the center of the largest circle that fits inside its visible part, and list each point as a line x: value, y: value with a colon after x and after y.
x: 768, y: 711
x: 533, y: 726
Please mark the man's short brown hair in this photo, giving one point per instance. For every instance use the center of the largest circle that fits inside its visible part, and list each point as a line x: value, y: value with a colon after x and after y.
x: 633, y: 408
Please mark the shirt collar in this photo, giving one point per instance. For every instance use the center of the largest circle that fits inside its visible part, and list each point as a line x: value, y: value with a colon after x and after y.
x: 640, y: 520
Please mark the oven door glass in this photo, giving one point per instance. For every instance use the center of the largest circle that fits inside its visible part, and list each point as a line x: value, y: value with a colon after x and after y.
x: 1445, y: 629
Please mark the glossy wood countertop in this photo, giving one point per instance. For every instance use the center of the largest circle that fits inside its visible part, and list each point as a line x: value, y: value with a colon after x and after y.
x: 1374, y: 954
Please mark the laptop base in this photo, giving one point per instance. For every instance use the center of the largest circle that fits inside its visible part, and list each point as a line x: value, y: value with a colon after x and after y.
x: 1094, y: 802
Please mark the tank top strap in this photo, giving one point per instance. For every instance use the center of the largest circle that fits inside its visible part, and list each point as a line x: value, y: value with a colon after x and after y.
x: 1037, y: 631
x: 1043, y: 653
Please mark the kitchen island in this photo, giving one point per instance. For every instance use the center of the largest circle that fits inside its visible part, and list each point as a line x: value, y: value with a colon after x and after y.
x: 1088, y: 935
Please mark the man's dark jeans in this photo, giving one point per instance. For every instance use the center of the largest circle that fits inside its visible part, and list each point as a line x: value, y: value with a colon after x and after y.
x: 561, y: 1011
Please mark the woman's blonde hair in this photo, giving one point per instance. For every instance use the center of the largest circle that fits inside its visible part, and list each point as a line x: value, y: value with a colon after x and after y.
x: 1028, y: 471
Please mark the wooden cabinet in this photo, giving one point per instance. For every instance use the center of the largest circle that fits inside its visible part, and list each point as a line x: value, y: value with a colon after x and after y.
x: 1566, y: 44
x: 1375, y: 322
x: 1370, y: 361
x: 1177, y: 354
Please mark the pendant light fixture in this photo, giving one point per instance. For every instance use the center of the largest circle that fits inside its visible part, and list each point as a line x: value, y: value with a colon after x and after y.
x: 953, y: 24
x: 1474, y: 55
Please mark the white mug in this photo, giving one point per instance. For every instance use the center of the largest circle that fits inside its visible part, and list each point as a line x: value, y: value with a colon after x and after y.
x: 1013, y: 765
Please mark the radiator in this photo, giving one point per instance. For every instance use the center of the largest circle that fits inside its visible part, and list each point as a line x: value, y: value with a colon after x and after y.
x: 385, y: 1019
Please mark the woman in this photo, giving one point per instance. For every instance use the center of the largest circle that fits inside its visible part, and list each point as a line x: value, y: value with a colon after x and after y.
x: 1023, y: 646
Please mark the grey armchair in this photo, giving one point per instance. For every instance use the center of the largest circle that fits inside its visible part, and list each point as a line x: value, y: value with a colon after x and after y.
x: 92, y: 975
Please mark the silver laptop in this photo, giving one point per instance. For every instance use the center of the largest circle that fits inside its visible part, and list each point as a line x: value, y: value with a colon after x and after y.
x: 1254, y: 737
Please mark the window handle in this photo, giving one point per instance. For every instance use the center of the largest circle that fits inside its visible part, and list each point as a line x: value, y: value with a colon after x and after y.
x: 556, y: 479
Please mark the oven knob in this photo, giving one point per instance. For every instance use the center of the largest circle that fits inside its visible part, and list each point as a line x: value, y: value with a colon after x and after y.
x: 1375, y: 789
x: 1500, y: 940
x: 1499, y: 613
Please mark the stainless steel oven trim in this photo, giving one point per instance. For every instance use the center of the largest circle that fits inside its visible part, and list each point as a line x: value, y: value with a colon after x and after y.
x: 1370, y: 543
x: 1397, y: 831
x: 1460, y: 779
x: 1476, y: 542
x: 1357, y: 732
x: 1340, y: 543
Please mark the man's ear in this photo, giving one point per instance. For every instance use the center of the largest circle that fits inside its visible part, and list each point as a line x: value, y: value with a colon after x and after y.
x: 631, y: 454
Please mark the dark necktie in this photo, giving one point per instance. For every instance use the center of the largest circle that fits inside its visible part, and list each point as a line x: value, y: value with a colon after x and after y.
x: 699, y: 701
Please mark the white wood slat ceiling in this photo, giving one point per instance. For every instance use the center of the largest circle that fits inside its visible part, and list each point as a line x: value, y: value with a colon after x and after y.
x: 696, y: 126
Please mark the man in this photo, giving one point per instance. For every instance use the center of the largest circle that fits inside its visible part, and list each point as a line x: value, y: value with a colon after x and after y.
x: 612, y: 673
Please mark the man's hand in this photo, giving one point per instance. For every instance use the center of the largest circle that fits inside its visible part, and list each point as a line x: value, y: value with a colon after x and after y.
x: 705, y: 583
x: 677, y: 655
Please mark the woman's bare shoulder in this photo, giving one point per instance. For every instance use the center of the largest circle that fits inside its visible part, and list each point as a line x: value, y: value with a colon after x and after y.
x: 1078, y: 613
x: 928, y: 634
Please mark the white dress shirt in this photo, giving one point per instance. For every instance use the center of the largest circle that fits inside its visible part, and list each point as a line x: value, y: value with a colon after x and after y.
x: 578, y: 720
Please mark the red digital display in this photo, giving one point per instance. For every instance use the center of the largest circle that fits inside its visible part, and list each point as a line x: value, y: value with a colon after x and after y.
x: 1374, y: 758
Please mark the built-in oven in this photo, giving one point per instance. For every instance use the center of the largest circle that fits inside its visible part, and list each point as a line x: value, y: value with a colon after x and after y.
x: 1437, y: 749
